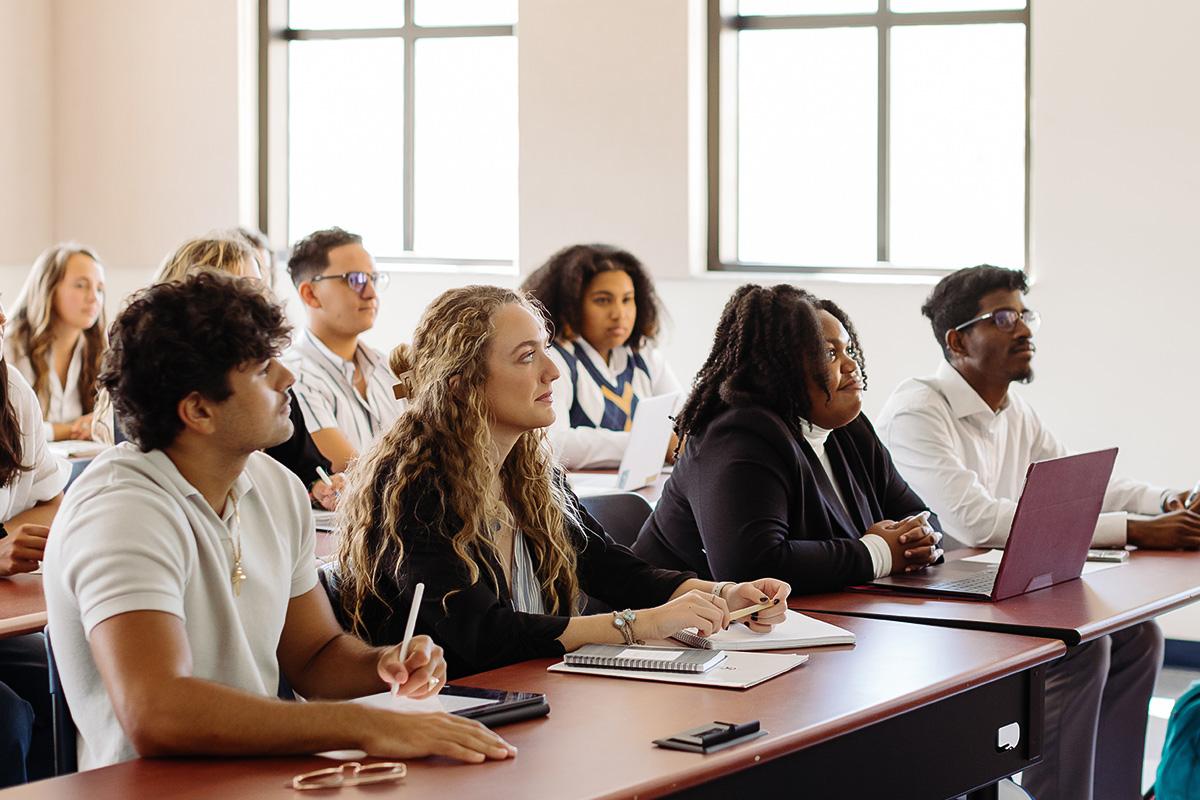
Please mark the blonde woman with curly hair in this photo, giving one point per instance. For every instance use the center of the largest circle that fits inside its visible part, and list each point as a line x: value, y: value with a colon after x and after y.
x: 462, y: 494
x: 57, y: 337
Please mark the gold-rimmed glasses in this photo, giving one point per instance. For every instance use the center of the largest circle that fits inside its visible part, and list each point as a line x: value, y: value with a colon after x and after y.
x: 352, y: 773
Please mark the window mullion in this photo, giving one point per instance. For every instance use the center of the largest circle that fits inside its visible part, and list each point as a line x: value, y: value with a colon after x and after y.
x: 883, y: 136
x: 410, y: 83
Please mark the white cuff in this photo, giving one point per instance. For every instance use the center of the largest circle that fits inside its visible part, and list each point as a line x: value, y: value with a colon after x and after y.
x: 881, y: 554
x: 1111, y: 529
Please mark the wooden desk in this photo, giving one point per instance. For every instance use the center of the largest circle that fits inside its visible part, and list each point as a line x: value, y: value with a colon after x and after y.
x: 908, y: 700
x: 22, y: 606
x: 1151, y: 583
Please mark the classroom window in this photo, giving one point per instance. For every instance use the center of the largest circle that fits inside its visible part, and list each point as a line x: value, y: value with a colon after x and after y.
x: 401, y: 125
x: 872, y: 136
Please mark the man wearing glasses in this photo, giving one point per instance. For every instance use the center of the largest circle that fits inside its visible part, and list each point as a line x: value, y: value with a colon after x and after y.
x: 964, y: 442
x: 344, y: 387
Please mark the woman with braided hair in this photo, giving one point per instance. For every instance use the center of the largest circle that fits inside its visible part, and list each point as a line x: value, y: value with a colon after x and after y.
x: 778, y: 470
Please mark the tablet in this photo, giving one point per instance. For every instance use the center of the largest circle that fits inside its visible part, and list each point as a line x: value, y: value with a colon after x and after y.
x: 496, y: 706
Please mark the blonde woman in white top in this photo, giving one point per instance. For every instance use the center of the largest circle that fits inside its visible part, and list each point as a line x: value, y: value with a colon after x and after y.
x: 57, y: 337
x: 604, y: 315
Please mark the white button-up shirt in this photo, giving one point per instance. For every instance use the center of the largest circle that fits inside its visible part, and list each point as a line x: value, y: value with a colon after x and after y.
x: 325, y: 389
x: 969, y: 463
x: 65, y: 404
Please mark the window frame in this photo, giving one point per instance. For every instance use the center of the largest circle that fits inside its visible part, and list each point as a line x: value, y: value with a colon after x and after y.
x: 274, y: 36
x: 724, y: 24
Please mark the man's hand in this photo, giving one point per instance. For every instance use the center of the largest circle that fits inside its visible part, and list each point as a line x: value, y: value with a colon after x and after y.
x: 1175, y: 530
x: 22, y: 549
x: 421, y: 674
x: 391, y: 735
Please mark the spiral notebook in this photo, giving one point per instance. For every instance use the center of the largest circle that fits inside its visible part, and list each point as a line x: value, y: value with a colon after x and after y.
x: 658, y: 659
x: 797, y: 630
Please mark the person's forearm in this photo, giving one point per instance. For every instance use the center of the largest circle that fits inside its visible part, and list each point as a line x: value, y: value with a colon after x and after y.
x: 345, y: 667
x: 592, y: 629
x: 190, y: 716
x: 693, y: 583
x: 41, y: 514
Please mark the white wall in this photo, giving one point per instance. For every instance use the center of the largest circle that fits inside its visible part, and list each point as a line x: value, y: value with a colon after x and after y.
x: 147, y: 105
x: 26, y: 136
x: 146, y: 99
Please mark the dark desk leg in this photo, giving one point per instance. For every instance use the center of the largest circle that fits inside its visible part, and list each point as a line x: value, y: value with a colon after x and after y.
x: 958, y: 734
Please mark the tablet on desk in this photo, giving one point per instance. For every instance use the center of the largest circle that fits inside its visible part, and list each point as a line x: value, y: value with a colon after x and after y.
x: 491, y: 707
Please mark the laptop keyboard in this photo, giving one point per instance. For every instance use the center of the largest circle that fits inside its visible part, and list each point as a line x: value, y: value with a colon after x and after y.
x: 976, y: 584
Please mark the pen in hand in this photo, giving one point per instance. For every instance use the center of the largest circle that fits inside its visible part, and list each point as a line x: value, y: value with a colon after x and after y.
x: 418, y: 593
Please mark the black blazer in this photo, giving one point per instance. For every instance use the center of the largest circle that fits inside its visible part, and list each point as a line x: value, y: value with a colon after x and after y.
x: 299, y: 453
x: 478, y: 628
x: 749, y: 499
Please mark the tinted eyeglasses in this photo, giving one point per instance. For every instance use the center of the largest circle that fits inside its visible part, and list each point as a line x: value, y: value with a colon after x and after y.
x: 358, y: 280
x: 1006, y: 319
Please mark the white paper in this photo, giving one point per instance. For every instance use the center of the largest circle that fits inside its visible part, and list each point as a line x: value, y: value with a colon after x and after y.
x: 325, y: 520
x: 651, y: 655
x: 994, y: 556
x: 406, y: 705
x: 797, y: 630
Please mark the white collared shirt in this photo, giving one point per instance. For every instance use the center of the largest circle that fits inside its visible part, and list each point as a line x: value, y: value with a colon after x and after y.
x: 47, y: 473
x: 325, y: 389
x: 134, y: 535
x: 969, y: 463
x: 65, y: 403
x: 596, y: 447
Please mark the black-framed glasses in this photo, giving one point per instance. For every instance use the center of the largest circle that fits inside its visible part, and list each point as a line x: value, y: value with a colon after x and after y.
x: 1006, y: 319
x: 358, y: 280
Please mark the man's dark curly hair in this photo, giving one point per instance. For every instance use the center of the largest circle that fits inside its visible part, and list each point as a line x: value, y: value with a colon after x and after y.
x: 559, y: 285
x: 956, y: 297
x: 310, y: 255
x: 176, y: 338
x: 768, y: 343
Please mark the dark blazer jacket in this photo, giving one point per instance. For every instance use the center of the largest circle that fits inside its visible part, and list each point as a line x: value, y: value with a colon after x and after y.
x: 478, y: 628
x: 748, y: 499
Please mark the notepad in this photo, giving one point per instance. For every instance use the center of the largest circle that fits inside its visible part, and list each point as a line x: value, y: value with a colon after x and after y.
x: 797, y: 630
x: 325, y: 520
x: 735, y: 671
x: 611, y: 656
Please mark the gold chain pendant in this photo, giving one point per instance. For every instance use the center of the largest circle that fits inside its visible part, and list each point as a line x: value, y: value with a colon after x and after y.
x: 239, y: 576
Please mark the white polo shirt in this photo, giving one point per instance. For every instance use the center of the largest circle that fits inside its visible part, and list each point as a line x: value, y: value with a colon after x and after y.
x: 134, y: 535
x: 325, y: 389
x: 48, y: 473
x: 969, y: 462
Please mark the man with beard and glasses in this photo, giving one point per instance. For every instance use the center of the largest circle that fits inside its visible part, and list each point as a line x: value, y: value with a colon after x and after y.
x: 963, y: 441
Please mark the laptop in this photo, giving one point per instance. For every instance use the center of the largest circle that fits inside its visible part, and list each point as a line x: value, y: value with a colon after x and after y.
x: 644, y: 457
x: 1048, y: 543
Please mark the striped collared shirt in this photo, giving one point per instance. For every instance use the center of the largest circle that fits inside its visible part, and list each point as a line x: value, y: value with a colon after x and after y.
x: 325, y: 389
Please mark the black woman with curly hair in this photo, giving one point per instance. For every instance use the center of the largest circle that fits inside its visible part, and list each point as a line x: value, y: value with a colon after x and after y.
x: 604, y: 315
x: 777, y: 464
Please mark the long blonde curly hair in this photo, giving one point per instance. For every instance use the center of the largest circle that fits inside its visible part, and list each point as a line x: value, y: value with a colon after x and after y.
x: 435, y: 468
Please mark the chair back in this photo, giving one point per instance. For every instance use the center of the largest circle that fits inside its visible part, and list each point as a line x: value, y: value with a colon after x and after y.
x: 65, y: 758
x: 621, y: 514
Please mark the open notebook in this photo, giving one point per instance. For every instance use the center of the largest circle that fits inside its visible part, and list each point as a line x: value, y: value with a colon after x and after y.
x: 795, y: 631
